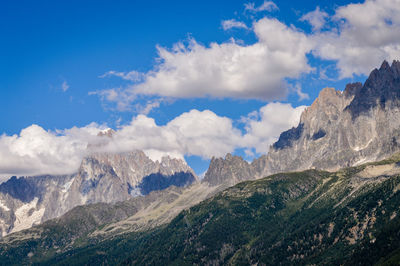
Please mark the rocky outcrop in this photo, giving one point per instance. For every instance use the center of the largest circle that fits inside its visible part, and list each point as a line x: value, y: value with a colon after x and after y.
x: 228, y: 171
x: 102, y: 177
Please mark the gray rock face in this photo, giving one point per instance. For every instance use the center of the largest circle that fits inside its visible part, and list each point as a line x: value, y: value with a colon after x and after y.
x: 340, y: 129
x: 107, y: 178
x: 228, y: 171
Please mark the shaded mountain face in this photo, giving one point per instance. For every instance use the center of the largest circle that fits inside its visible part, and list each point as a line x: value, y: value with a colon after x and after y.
x: 301, y: 218
x: 382, y: 89
x: 341, y: 128
x: 107, y: 178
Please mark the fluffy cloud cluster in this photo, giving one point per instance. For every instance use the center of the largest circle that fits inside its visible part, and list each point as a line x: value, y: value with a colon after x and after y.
x: 264, y: 126
x: 366, y: 34
x: 357, y: 38
x: 36, y: 151
x: 316, y: 18
x: 203, y: 133
x: 230, y: 69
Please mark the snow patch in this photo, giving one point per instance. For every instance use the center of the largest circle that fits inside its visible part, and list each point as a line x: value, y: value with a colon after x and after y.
x: 361, y: 161
x: 25, y: 218
x: 2, y: 205
x: 359, y: 148
x: 135, y: 192
x: 67, y: 185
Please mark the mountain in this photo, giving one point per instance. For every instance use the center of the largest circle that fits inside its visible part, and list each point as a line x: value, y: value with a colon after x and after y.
x: 102, y: 177
x: 228, y: 171
x: 312, y: 217
x: 341, y: 128
x: 126, y: 208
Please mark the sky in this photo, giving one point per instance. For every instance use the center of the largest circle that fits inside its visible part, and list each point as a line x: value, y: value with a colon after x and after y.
x: 188, y: 79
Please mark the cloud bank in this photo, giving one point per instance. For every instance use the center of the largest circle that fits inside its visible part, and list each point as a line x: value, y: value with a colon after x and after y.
x: 36, y: 151
x: 356, y: 37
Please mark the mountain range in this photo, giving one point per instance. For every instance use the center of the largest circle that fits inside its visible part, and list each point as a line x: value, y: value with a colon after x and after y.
x: 108, y: 178
x: 326, y: 190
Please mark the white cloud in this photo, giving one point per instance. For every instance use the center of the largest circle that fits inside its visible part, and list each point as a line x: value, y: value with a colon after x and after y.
x: 316, y: 18
x: 264, y: 127
x: 202, y: 133
x: 64, y: 86
x: 357, y: 39
x: 121, y: 98
x: 134, y: 76
x: 36, y: 151
x: 227, y: 70
x: 300, y: 93
x: 367, y: 34
x: 266, y: 6
x: 232, y: 23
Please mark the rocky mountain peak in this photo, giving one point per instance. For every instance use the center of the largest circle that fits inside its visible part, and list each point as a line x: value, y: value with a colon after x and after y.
x: 328, y: 101
x: 127, y: 170
x: 169, y: 166
x: 228, y: 171
x: 351, y: 89
x: 340, y: 129
x: 343, y: 129
x: 102, y: 177
x: 382, y: 88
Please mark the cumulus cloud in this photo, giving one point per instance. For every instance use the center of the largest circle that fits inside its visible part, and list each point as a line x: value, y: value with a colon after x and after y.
x: 266, y: 6
x: 201, y: 133
x: 367, y: 33
x: 232, y: 23
x: 36, y: 151
x: 264, y: 126
x: 357, y: 38
x: 227, y: 70
x: 316, y: 18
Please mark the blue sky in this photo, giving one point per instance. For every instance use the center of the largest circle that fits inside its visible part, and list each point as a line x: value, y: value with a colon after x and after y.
x: 55, y: 56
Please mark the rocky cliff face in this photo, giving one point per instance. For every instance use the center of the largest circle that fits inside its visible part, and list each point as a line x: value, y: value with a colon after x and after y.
x: 340, y: 129
x: 108, y: 178
x: 228, y: 171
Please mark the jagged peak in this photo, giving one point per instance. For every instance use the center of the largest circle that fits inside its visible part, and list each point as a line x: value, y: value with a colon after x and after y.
x: 385, y: 65
x: 380, y: 88
x: 352, y: 88
x: 396, y: 67
x: 228, y: 170
x: 327, y: 96
x: 385, y: 69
